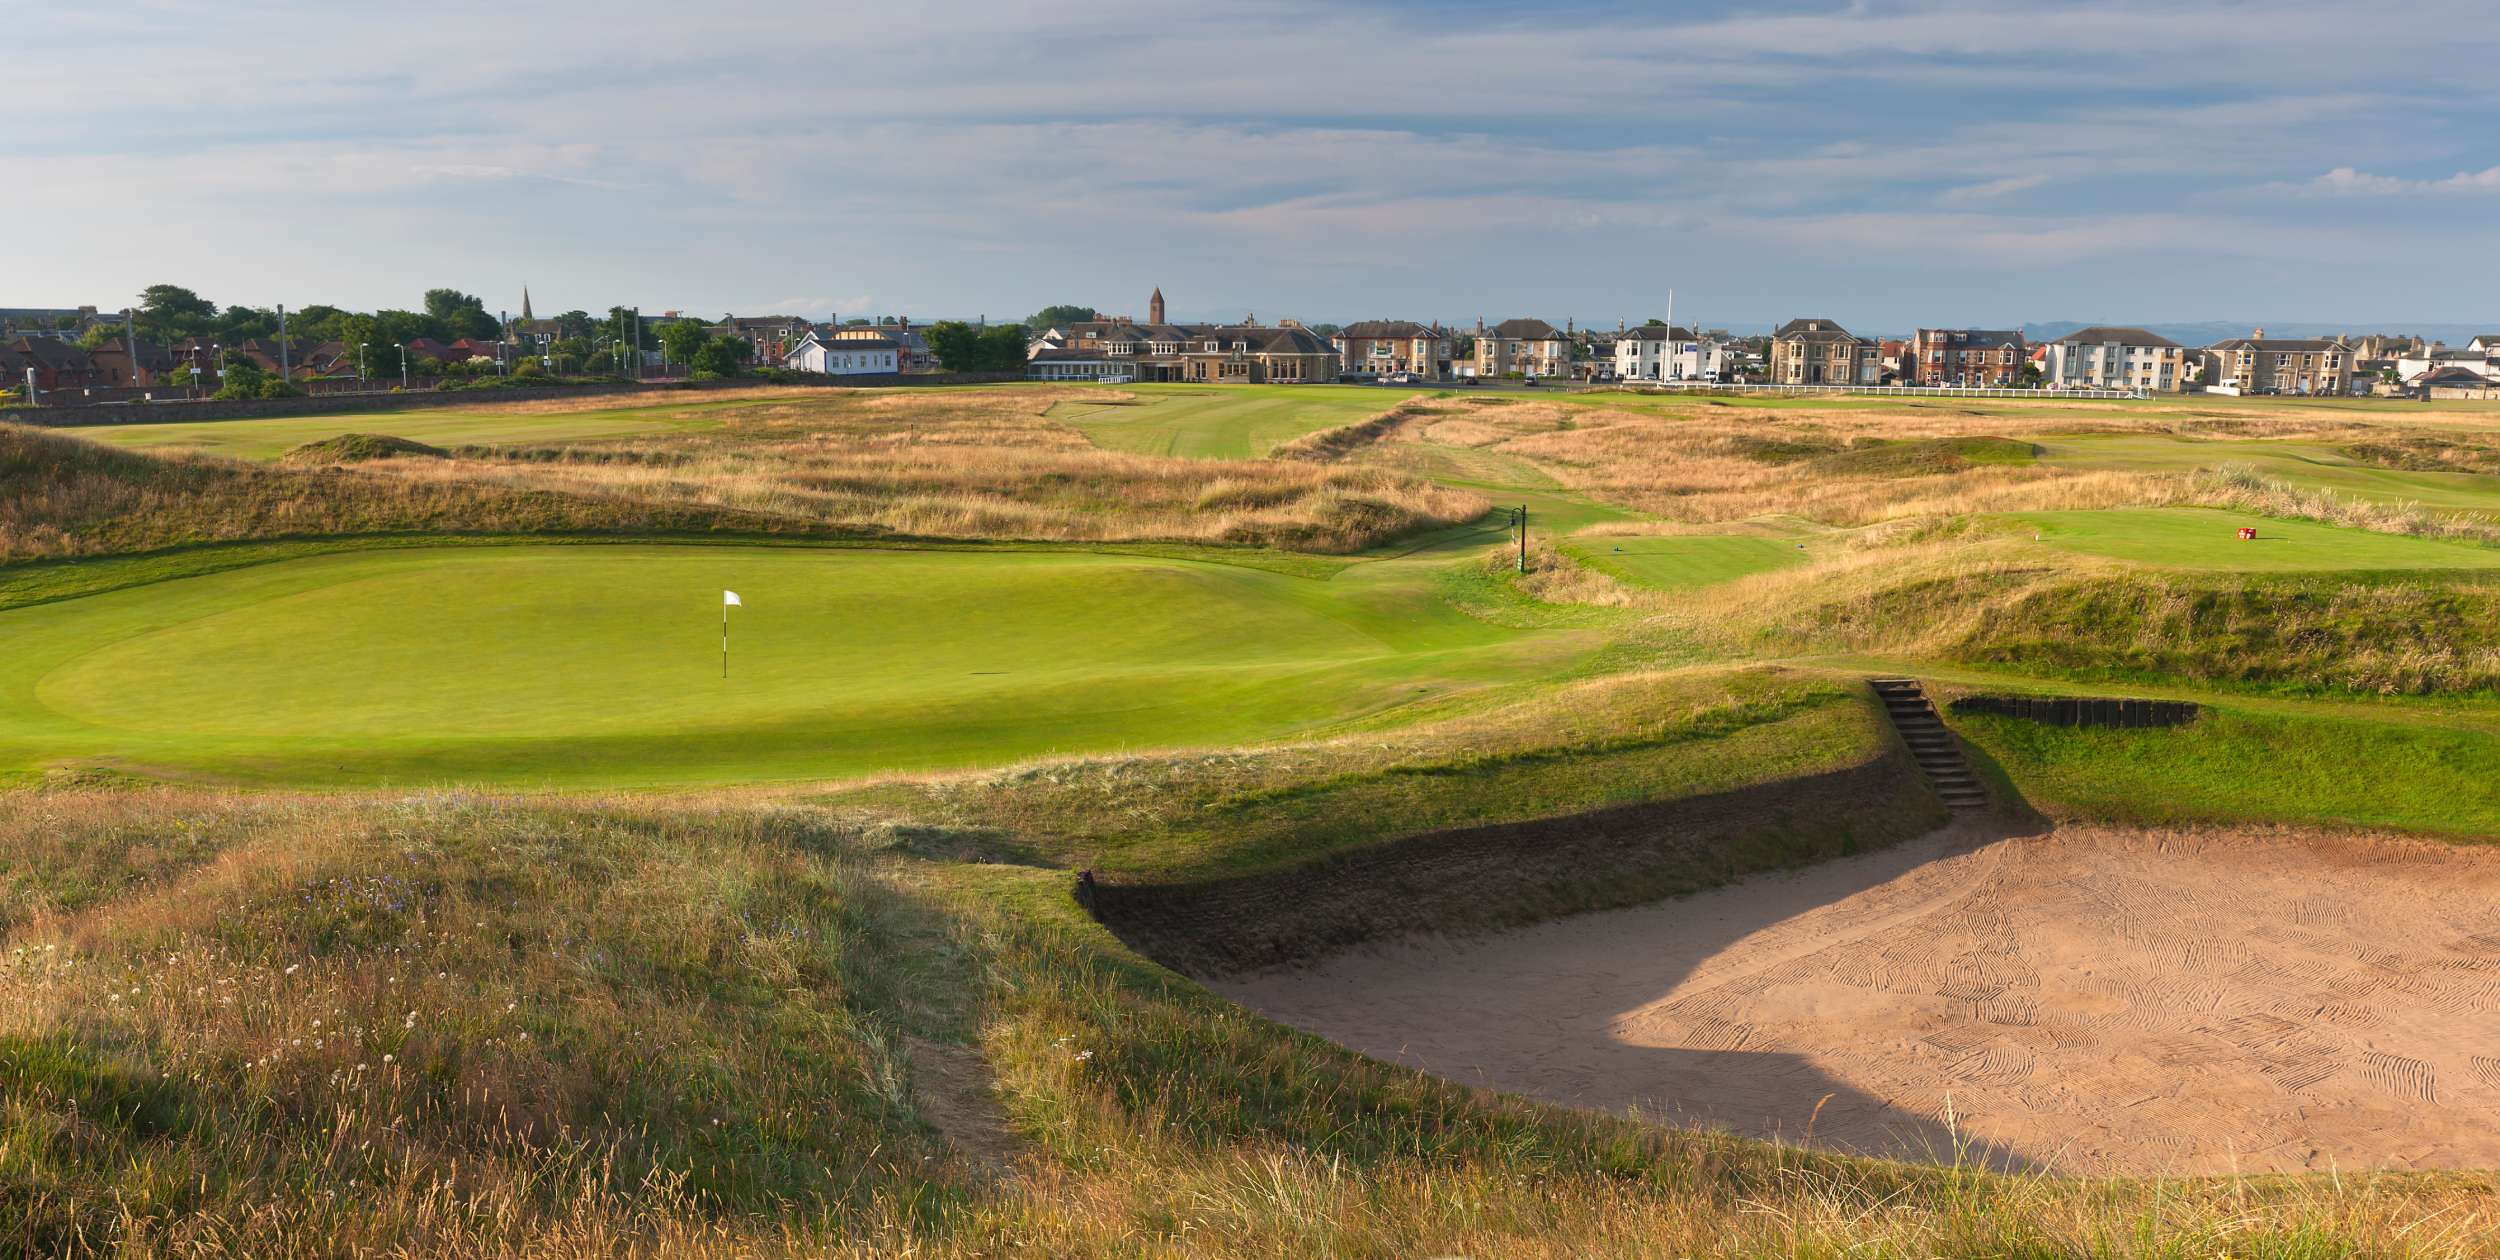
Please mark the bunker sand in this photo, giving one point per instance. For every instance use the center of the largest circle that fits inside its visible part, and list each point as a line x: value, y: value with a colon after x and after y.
x: 2086, y: 1001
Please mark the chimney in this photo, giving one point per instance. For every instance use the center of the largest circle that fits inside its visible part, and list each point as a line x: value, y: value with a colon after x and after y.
x: 2259, y: 335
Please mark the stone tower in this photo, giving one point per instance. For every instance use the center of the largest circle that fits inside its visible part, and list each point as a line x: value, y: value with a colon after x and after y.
x: 1154, y: 307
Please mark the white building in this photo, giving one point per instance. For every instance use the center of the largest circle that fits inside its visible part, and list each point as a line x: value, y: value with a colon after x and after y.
x: 2109, y: 357
x: 844, y: 356
x: 1662, y: 352
x: 2474, y: 358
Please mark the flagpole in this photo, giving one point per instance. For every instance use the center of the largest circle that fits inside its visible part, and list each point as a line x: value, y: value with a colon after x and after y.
x: 724, y: 639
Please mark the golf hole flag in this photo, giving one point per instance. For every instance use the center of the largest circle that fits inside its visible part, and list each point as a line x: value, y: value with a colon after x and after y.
x: 728, y: 600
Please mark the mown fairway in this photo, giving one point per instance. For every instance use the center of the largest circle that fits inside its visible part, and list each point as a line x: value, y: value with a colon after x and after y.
x: 579, y: 665
x: 2309, y: 465
x: 2202, y: 538
x: 268, y: 439
x: 1220, y: 422
x: 1685, y: 562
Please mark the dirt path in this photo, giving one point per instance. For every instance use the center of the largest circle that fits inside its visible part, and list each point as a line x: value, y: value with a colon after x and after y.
x: 2088, y: 1000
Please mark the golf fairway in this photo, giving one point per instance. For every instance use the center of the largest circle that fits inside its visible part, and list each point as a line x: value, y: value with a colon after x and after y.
x: 602, y: 665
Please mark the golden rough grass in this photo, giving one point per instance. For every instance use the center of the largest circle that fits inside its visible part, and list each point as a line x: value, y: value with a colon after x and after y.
x: 63, y: 496
x: 457, y: 1026
x: 972, y: 464
x: 949, y: 464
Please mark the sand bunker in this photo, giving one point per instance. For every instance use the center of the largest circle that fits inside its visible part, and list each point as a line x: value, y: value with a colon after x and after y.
x: 2087, y: 1001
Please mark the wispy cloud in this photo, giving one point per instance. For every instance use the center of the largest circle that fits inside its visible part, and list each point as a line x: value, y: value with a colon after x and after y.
x: 1300, y: 157
x: 2345, y: 181
x: 1991, y: 190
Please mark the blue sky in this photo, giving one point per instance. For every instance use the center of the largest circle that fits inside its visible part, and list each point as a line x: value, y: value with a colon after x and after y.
x: 1886, y: 164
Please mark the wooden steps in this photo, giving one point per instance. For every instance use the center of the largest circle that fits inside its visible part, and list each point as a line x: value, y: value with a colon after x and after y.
x: 1938, y: 754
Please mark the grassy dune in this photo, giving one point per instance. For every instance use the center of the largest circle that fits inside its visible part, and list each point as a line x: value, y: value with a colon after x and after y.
x: 455, y: 1026
x: 854, y: 1012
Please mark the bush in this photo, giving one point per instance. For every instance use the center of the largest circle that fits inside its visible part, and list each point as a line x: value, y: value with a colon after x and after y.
x: 277, y: 387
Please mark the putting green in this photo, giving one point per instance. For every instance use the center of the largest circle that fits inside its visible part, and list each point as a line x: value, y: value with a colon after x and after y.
x: 268, y: 439
x: 601, y: 665
x: 1685, y: 562
x: 1220, y: 421
x: 2202, y: 538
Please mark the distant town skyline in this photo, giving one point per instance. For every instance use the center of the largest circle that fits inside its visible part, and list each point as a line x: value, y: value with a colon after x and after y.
x: 1889, y: 165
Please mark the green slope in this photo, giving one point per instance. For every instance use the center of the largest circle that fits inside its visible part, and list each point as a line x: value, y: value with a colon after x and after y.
x: 602, y: 665
x: 2203, y: 538
x: 1220, y: 421
x: 1684, y: 562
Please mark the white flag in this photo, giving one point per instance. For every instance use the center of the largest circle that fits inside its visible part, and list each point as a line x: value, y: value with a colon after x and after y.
x: 729, y: 599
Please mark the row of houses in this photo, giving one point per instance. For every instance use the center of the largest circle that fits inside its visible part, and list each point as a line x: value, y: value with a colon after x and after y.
x: 1810, y: 351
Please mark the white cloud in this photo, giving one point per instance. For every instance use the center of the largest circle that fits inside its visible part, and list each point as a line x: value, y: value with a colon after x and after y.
x: 1991, y: 189
x: 2345, y: 181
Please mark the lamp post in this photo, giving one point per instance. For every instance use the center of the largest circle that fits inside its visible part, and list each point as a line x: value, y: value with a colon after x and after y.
x: 361, y: 347
x: 403, y: 365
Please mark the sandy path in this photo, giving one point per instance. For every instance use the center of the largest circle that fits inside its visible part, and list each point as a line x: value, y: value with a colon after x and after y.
x: 2088, y: 1000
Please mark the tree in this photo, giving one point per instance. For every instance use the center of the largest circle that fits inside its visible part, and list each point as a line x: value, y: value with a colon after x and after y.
x: 1062, y: 314
x: 719, y: 357
x: 856, y: 323
x: 245, y: 323
x: 680, y: 340
x: 1003, y: 349
x: 396, y: 327
x: 575, y: 324
x: 2030, y: 377
x: 956, y: 344
x: 600, y: 363
x: 318, y: 323
x: 960, y: 347
x: 96, y: 335
x: 169, y: 312
x: 462, y: 314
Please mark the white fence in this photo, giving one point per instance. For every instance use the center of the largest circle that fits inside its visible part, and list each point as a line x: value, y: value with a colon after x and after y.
x: 1902, y: 391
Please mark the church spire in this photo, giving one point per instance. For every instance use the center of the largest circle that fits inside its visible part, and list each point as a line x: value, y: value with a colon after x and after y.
x: 525, y: 302
x: 1154, y: 307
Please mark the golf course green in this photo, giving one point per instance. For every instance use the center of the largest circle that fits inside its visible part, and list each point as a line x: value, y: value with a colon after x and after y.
x: 1219, y: 422
x: 1683, y: 562
x: 2206, y: 538
x: 602, y: 665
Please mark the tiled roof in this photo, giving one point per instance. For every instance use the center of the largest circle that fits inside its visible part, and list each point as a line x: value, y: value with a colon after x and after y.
x: 1525, y: 330
x: 1980, y: 338
x: 1813, y: 330
x: 2118, y: 334
x: 1374, y: 329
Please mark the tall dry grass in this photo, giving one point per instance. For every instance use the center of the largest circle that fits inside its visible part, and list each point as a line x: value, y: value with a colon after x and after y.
x: 63, y: 496
x: 499, y: 1027
x: 971, y: 464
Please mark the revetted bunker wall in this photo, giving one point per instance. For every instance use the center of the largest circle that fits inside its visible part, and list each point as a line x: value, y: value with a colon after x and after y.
x: 2082, y: 710
x: 1480, y: 878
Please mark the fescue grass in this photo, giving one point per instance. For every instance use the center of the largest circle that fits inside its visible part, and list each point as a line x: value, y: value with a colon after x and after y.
x: 864, y: 1019
x: 972, y: 464
x: 459, y: 1026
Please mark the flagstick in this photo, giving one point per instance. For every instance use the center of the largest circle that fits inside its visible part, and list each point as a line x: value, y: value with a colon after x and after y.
x: 724, y: 639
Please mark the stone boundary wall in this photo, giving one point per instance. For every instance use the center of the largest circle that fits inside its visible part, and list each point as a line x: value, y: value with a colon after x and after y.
x: 182, y: 411
x: 1506, y: 874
